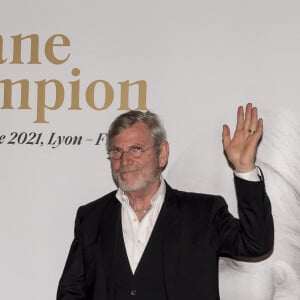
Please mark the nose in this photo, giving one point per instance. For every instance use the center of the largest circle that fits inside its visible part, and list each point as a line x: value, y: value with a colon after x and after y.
x: 125, y: 159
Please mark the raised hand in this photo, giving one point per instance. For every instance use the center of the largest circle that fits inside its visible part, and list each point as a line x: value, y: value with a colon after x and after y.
x: 241, y: 149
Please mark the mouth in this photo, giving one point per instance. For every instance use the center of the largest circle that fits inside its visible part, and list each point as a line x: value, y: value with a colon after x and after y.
x: 127, y: 173
x: 128, y: 170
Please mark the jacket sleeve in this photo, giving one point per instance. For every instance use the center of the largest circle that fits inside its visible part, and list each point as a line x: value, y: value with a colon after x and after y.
x: 252, y: 235
x: 72, y: 283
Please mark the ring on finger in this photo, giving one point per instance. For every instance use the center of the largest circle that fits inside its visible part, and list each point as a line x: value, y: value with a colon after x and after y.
x: 251, y: 131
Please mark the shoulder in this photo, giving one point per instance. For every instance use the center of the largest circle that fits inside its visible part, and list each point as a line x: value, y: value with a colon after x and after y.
x: 97, y: 206
x: 196, y: 209
x: 194, y: 200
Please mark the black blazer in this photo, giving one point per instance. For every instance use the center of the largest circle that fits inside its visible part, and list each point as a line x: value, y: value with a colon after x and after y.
x: 197, y: 229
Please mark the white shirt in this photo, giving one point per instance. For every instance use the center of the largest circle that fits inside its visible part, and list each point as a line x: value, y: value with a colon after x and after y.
x: 136, y: 234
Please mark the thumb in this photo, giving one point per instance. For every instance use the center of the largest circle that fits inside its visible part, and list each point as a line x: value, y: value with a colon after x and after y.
x: 285, y: 281
x: 226, y: 136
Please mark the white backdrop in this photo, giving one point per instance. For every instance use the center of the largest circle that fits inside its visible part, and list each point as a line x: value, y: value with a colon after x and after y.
x: 200, y: 60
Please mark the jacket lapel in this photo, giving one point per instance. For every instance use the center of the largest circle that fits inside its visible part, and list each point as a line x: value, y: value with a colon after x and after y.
x: 111, y: 229
x: 170, y: 241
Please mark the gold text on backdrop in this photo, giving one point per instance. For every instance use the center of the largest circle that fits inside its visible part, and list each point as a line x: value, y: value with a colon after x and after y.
x: 50, y: 93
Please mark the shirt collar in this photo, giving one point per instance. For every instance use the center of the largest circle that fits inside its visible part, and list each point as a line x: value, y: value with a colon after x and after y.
x: 158, y: 197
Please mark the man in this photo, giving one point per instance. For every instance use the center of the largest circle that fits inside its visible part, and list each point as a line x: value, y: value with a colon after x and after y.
x: 148, y: 241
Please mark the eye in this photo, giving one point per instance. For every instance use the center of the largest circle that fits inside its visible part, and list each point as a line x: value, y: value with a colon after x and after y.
x: 115, y: 153
x: 135, y: 151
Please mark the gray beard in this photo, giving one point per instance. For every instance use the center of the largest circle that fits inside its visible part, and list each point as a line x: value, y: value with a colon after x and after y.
x: 136, y: 186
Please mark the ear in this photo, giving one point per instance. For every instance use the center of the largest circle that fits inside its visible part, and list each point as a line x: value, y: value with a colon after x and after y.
x: 164, y: 154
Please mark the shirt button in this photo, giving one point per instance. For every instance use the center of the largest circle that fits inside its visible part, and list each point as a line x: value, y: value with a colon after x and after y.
x: 139, y: 241
x: 135, y: 220
x: 132, y: 292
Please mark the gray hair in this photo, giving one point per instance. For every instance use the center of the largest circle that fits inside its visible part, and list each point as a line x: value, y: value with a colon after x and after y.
x: 131, y: 117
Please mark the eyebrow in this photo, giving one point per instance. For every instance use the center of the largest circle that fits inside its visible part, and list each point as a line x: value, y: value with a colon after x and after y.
x: 114, y: 148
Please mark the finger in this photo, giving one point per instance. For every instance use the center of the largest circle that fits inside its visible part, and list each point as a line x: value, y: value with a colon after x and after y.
x: 254, y: 118
x: 260, y: 126
x: 248, y: 114
x: 240, y: 118
x: 259, y: 129
x: 226, y: 136
x: 255, y: 137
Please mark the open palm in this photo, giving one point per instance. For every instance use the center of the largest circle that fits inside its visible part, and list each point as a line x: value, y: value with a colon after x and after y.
x: 241, y: 149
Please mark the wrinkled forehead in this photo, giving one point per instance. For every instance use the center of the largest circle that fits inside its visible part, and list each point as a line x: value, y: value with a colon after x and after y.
x: 136, y: 134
